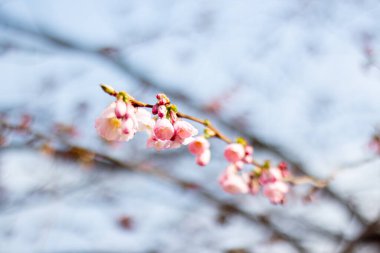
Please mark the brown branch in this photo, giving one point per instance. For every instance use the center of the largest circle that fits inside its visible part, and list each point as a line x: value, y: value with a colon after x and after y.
x: 308, y: 180
x: 207, y: 124
x: 217, y: 133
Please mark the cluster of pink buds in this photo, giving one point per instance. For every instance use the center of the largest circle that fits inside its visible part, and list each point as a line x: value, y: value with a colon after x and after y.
x: 274, y: 183
x: 271, y: 179
x: 169, y: 131
x: 123, y: 118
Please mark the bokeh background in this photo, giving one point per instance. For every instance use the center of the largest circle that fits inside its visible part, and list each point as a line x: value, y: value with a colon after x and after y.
x: 299, y: 78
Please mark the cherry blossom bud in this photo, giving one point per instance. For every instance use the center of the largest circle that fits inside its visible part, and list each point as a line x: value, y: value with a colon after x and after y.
x: 283, y: 167
x: 159, y: 96
x: 120, y: 109
x: 163, y: 129
x: 233, y: 183
x: 248, y: 150
x: 162, y: 99
x: 161, y: 111
x: 234, y: 152
x: 199, y: 145
x: 270, y: 176
x: 276, y: 192
x: 173, y: 116
x: 184, y: 129
x: 127, y: 126
x: 204, y: 158
x: 155, y: 109
x: 108, y: 89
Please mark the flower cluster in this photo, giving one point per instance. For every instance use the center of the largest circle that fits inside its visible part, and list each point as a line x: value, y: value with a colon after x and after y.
x: 121, y: 120
x: 235, y: 180
x: 274, y: 183
x: 167, y: 129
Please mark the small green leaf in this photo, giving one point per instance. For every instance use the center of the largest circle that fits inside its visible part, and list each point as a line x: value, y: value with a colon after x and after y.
x: 266, y: 164
x: 174, y: 108
x: 241, y: 141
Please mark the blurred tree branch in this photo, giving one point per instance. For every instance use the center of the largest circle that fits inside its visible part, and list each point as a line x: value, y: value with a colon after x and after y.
x: 370, y: 235
x: 61, y: 148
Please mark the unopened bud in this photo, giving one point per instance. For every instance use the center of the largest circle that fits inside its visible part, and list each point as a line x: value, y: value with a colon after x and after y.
x: 155, y: 109
x: 204, y: 158
x: 162, y: 111
x: 127, y: 126
x: 173, y: 117
x: 120, y: 109
x: 108, y: 89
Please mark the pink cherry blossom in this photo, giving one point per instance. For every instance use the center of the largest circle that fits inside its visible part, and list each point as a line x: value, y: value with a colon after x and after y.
x: 248, y: 150
x: 163, y: 129
x: 175, y: 142
x: 204, y: 158
x: 144, y: 120
x: 276, y: 192
x: 109, y: 126
x: 128, y: 126
x: 161, y: 111
x: 184, y: 129
x: 178, y: 140
x: 173, y: 116
x: 234, y: 152
x: 199, y: 145
x: 120, y: 109
x: 271, y: 175
x: 232, y: 182
x: 283, y: 166
x: 162, y: 99
x: 154, y: 142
